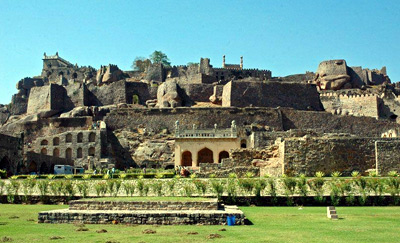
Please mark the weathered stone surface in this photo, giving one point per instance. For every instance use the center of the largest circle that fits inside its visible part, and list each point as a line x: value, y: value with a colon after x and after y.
x: 165, y: 213
x: 46, y: 98
x: 387, y: 156
x: 167, y: 95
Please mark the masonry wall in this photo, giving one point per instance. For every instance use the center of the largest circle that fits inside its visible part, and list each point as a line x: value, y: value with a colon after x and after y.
x: 57, y: 145
x: 355, y: 105
x: 10, y: 153
x: 387, y: 156
x: 114, y: 93
x: 328, y: 154
x: 46, y: 98
x: 158, y: 119
x: 198, y: 92
x: 271, y: 94
x: 329, y: 123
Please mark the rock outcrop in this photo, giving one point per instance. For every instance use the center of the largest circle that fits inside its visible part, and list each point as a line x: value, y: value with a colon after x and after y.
x: 167, y: 94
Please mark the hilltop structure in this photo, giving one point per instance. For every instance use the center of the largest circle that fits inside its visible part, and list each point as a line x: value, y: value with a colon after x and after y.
x: 215, y: 120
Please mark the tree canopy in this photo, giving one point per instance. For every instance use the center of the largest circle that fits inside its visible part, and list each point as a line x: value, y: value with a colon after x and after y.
x: 160, y: 57
x: 140, y: 64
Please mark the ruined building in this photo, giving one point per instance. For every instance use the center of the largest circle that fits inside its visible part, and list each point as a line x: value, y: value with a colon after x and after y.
x: 215, y: 120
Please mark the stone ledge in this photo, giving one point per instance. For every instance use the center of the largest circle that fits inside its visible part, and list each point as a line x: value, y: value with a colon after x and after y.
x: 143, y: 205
x: 164, y: 217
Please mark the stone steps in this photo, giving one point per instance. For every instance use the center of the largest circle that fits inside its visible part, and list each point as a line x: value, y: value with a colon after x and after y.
x: 150, y: 213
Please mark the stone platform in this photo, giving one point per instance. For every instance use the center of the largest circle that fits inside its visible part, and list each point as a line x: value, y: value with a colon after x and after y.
x: 154, y: 212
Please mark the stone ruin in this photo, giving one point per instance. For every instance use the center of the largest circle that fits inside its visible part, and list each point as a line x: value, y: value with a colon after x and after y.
x: 284, y: 124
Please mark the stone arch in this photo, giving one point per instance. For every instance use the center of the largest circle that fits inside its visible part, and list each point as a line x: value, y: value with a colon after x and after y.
x: 205, y: 156
x: 32, y: 167
x: 74, y: 75
x: 80, y: 137
x: 44, y: 142
x: 186, y: 158
x: 68, y: 153
x: 79, y: 153
x: 44, y: 169
x: 56, y: 141
x: 56, y: 152
x: 43, y: 151
x: 68, y: 138
x: 243, y: 143
x: 92, y: 151
x: 92, y: 137
x: 222, y: 155
x: 5, y: 164
x: 61, y: 73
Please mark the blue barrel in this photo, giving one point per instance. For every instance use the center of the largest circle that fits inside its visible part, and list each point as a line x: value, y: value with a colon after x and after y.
x: 231, y: 220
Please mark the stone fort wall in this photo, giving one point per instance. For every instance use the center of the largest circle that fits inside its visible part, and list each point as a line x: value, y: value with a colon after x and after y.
x: 158, y: 119
x: 355, y: 105
x: 281, y: 119
x: 271, y: 94
x: 309, y: 155
x: 387, y: 155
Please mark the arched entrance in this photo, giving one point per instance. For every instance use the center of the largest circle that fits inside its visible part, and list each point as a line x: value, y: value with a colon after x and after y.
x: 32, y: 167
x: 68, y: 153
x: 186, y: 158
x: 205, y: 156
x: 222, y: 155
x: 243, y: 143
x: 44, y: 169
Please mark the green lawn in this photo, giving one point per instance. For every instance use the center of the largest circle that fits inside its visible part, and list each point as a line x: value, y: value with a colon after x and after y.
x: 149, y: 199
x: 271, y: 224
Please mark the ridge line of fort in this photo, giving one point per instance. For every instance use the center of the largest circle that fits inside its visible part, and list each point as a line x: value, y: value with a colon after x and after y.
x: 214, y: 120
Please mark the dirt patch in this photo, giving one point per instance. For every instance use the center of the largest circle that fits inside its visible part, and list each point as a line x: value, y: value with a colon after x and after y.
x: 101, y: 231
x: 6, y: 239
x: 82, y: 229
x: 149, y: 231
x: 192, y: 233
x: 56, y: 238
x: 214, y: 236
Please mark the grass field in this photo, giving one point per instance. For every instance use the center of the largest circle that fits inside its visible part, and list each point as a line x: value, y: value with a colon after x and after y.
x: 271, y: 224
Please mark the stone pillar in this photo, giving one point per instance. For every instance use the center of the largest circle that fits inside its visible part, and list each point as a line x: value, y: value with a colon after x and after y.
x: 178, y: 155
x: 195, y: 163
x: 241, y: 62
x: 215, y: 156
x: 223, y: 61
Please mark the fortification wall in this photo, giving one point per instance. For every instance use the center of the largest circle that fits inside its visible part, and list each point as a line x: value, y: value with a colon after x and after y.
x: 158, y: 119
x: 108, y: 94
x: 10, y: 153
x: 198, y: 92
x: 271, y: 94
x: 387, y: 156
x: 355, y: 105
x: 46, y: 98
x: 310, y: 155
x: 329, y: 123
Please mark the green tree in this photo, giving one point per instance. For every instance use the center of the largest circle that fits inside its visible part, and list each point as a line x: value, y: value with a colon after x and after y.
x: 160, y: 57
x: 140, y: 64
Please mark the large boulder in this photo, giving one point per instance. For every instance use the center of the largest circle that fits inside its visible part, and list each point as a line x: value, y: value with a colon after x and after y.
x: 333, y: 75
x: 168, y: 95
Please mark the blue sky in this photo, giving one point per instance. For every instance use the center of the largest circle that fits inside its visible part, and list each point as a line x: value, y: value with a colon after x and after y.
x: 286, y: 37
